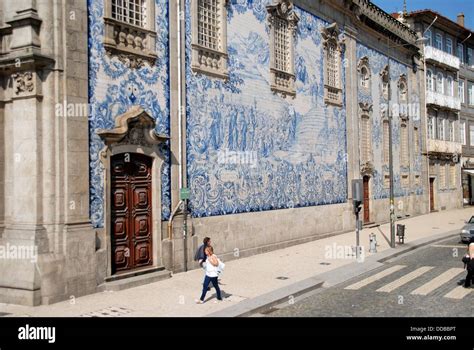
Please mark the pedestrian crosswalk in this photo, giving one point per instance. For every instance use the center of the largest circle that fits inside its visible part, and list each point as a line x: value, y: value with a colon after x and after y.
x: 431, y: 280
x: 375, y: 277
x: 404, y: 280
x: 438, y: 281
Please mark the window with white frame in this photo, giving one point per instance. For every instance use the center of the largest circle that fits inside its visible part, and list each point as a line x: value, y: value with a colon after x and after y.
x: 429, y: 80
x: 461, y: 52
x: 282, y: 45
x: 462, y: 132
x: 385, y: 78
x: 386, y: 141
x: 471, y: 135
x: 429, y: 36
x: 209, y: 37
x: 431, y: 127
x: 470, y: 56
x: 462, y: 91
x: 129, y: 33
x: 450, y: 130
x: 130, y: 11
x: 439, y: 41
x: 403, y: 89
x: 452, y: 176
x: 283, y: 23
x: 332, y: 63
x: 442, y: 176
x: 441, y: 130
x: 450, y: 86
x: 364, y: 78
x: 404, y: 150
x: 440, y: 83
x: 364, y: 73
x: 449, y: 46
x: 470, y: 93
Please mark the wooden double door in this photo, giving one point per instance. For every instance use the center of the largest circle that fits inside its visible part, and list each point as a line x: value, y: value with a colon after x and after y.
x: 131, y: 212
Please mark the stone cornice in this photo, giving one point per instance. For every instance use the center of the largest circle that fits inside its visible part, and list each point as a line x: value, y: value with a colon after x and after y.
x: 364, y: 8
x: 24, y: 60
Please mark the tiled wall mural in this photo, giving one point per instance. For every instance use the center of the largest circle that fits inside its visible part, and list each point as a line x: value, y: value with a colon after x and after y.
x: 114, y: 88
x: 293, y: 150
x: 374, y: 97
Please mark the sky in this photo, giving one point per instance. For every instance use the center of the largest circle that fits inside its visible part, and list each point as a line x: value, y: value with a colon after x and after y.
x: 448, y: 8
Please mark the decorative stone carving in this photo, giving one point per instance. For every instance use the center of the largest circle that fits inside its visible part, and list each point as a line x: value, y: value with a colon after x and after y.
x: 403, y: 88
x: 25, y: 84
x: 135, y: 127
x: 283, y: 81
x: 206, y: 60
x: 365, y: 108
x: 367, y: 169
x: 132, y: 45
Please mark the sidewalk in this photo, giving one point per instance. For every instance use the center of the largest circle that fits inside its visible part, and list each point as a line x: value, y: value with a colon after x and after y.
x: 246, y: 278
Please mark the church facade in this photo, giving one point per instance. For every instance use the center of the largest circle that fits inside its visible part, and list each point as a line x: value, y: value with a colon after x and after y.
x: 132, y: 129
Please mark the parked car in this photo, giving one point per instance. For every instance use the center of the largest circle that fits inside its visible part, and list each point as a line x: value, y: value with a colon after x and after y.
x: 468, y: 230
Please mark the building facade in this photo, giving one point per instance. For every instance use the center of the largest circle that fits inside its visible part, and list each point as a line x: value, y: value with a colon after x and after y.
x: 444, y: 39
x: 134, y: 128
x: 465, y: 52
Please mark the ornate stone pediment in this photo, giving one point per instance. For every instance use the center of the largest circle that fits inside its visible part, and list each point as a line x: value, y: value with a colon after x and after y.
x: 284, y: 9
x: 365, y: 108
x: 367, y: 168
x: 331, y: 33
x: 135, y: 127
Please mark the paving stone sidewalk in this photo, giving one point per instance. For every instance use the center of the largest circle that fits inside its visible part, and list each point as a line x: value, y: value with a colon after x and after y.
x: 244, y: 278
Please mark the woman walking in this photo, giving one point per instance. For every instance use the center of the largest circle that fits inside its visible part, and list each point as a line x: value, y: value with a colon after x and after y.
x: 470, y: 264
x: 211, y: 265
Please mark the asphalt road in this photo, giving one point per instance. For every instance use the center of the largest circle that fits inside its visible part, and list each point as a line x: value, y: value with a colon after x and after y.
x: 422, y: 283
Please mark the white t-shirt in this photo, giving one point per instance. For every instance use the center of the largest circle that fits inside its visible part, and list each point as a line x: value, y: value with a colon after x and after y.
x: 211, y: 270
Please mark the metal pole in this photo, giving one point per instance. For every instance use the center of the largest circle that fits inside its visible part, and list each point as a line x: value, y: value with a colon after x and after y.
x: 357, y: 236
x: 390, y: 153
x: 185, y: 234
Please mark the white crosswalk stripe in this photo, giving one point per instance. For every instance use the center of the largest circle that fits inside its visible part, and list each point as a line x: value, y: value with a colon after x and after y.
x: 374, y: 278
x: 405, y: 279
x: 438, y: 281
x: 458, y: 293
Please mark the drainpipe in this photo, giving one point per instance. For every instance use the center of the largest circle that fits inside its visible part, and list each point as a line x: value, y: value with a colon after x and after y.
x: 181, y: 112
x: 170, y: 221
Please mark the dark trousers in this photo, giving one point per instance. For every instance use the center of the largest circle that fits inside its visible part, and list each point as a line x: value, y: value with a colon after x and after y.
x: 214, y: 282
x: 469, y: 278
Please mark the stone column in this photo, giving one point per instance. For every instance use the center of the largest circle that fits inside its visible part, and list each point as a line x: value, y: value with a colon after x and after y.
x: 46, y: 153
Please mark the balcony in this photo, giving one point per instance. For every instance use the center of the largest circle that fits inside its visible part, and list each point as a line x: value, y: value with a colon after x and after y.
x: 444, y: 147
x: 442, y: 58
x: 443, y: 101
